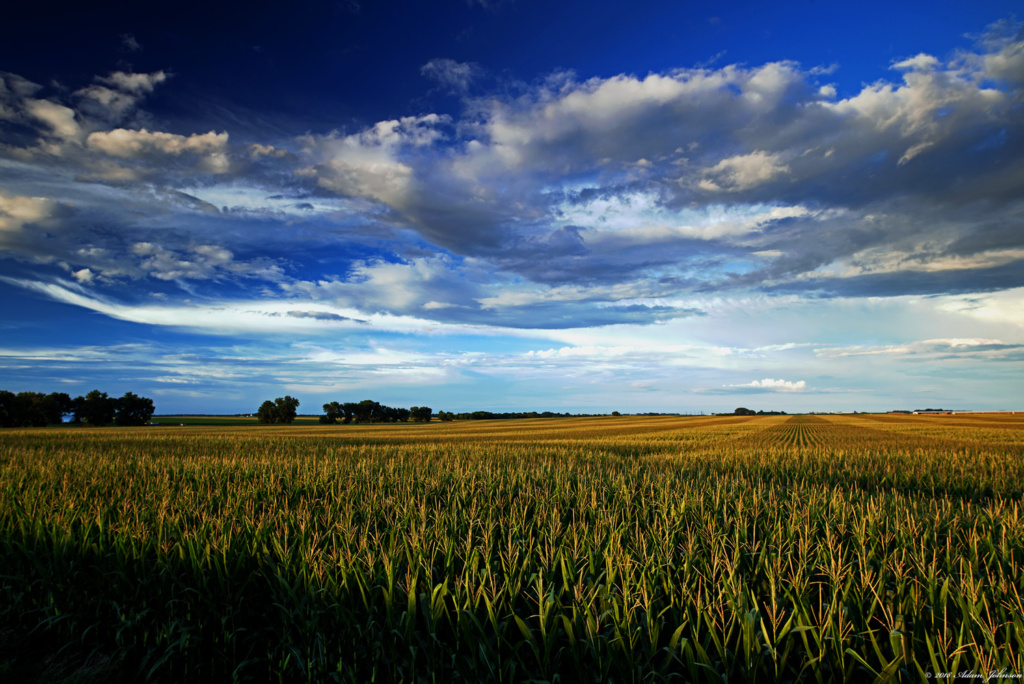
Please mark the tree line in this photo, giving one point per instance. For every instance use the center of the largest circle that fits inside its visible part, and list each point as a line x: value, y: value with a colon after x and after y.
x: 511, y: 415
x: 742, y: 411
x: 35, y: 409
x: 369, y: 411
x: 283, y: 410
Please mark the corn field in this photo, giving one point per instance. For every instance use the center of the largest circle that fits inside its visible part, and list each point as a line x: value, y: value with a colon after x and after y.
x: 632, y: 549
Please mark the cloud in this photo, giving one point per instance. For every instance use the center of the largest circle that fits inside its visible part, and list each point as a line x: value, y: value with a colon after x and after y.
x: 18, y: 211
x: 84, y: 276
x: 59, y: 119
x: 370, y: 163
x: 137, y: 144
x: 199, y: 262
x: 113, y: 98
x: 61, y: 123
x: 246, y: 315
x: 773, y: 385
x: 921, y: 62
x: 744, y: 172
x: 319, y: 316
x: 129, y: 43
x: 1003, y: 54
x: 454, y: 76
x: 134, y: 83
x: 1006, y: 306
x: 948, y: 347
x: 841, y: 175
x: 569, y: 202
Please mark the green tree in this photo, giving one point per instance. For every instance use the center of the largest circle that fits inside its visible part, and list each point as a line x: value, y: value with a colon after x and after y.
x: 286, y: 409
x: 55, y: 406
x: 280, y: 410
x: 11, y: 409
x: 368, y: 411
x: 30, y: 408
x: 267, y: 413
x: 332, y: 412
x: 133, y: 410
x: 95, y: 409
x: 421, y: 414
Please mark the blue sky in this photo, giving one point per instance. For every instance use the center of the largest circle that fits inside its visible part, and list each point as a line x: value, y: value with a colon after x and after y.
x: 514, y: 206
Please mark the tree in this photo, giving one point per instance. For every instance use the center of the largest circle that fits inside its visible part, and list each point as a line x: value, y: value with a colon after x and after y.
x: 368, y: 411
x: 280, y: 410
x: 133, y: 410
x: 286, y: 408
x: 54, y: 406
x: 10, y: 409
x: 95, y: 409
x: 332, y: 412
x: 744, y: 412
x: 267, y: 413
x: 33, y: 409
x: 421, y: 414
x: 616, y: 413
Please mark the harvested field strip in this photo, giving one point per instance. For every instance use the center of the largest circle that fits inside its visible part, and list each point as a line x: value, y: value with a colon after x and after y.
x: 1007, y: 422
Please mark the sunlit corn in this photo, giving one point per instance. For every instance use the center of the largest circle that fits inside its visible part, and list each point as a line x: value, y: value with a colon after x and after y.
x: 767, y: 549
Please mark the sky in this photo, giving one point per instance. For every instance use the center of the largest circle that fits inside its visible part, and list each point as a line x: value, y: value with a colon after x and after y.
x: 506, y: 206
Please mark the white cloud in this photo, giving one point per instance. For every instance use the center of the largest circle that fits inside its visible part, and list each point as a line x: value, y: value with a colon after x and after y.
x: 992, y: 307
x: 398, y: 287
x: 455, y: 76
x: 257, y: 150
x: 256, y: 315
x: 641, y: 217
x: 369, y: 164
x: 116, y: 96
x: 743, y: 172
x: 775, y: 385
x: 59, y: 118
x: 946, y: 347
x: 133, y: 144
x: 137, y: 84
x: 16, y: 211
x: 199, y: 262
x: 84, y: 276
x: 921, y: 62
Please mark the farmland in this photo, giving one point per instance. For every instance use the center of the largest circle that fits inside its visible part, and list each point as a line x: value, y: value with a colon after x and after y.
x: 770, y: 549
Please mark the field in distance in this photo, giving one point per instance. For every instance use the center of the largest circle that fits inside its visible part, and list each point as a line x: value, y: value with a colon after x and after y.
x: 187, y: 420
x: 777, y: 548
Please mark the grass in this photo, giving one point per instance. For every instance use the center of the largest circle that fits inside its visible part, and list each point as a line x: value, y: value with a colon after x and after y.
x: 774, y: 549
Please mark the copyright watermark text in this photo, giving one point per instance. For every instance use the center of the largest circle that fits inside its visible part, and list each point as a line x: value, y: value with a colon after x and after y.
x: 994, y: 675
